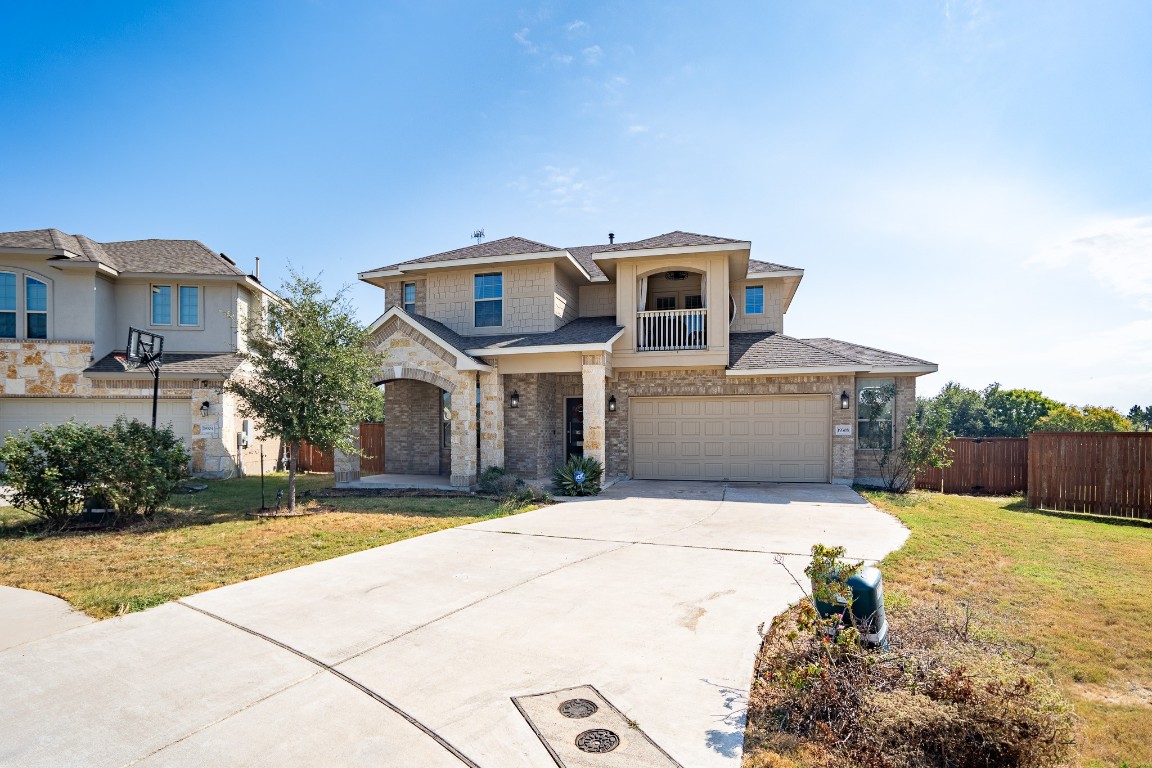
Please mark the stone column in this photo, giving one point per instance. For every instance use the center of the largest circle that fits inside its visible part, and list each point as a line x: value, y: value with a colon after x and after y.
x: 464, y: 429
x: 491, y: 417
x: 347, y: 467
x: 594, y: 368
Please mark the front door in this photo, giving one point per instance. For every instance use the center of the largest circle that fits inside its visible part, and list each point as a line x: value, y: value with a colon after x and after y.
x: 573, y: 427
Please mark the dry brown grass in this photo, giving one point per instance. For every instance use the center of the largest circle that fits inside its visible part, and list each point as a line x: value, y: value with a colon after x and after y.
x: 206, y: 540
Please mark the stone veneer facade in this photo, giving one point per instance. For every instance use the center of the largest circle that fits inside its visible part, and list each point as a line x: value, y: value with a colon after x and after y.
x: 55, y: 369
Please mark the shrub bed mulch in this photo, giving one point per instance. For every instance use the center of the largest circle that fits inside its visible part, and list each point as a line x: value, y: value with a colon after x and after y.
x: 945, y: 693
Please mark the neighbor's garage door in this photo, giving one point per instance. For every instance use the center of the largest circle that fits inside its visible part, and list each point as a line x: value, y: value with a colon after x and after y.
x: 779, y: 438
x: 34, y: 412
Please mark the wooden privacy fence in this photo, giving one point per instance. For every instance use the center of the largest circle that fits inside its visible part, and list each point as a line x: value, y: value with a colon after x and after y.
x: 1100, y: 473
x: 312, y: 459
x: 996, y: 465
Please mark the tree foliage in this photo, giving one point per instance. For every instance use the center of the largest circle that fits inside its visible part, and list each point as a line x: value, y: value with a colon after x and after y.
x: 968, y: 413
x: 1069, y: 418
x: 310, y: 372
x: 1015, y: 412
x: 1141, y: 418
x: 924, y: 442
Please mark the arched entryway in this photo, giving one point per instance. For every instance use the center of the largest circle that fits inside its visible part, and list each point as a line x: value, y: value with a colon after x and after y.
x: 418, y: 415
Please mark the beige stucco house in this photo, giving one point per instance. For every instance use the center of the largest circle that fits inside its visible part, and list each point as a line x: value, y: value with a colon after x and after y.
x: 664, y: 358
x: 66, y: 303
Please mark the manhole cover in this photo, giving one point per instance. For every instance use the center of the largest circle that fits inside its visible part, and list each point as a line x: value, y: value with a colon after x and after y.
x: 577, y: 708
x: 598, y: 740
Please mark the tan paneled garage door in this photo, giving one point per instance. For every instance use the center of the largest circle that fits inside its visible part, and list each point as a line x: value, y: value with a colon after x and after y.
x: 16, y: 413
x: 778, y: 438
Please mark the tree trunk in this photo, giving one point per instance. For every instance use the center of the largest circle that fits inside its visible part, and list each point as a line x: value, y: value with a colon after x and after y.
x: 294, y: 451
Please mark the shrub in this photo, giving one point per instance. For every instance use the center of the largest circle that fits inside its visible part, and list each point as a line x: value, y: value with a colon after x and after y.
x: 579, y: 477
x: 942, y: 695
x: 497, y: 480
x: 52, y: 471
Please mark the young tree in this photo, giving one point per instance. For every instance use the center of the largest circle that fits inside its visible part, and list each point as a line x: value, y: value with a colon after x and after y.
x: 1014, y: 412
x: 310, y: 372
x: 1141, y: 418
x: 924, y: 443
x: 1069, y: 418
x: 968, y: 413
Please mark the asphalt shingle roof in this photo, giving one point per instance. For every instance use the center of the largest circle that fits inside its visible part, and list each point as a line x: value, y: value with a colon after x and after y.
x: 584, y: 254
x: 584, y: 330
x: 178, y: 363
x: 181, y: 257
x: 750, y: 351
x: 766, y: 267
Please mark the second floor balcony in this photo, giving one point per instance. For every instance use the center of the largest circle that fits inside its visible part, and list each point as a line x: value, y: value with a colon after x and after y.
x: 665, y: 330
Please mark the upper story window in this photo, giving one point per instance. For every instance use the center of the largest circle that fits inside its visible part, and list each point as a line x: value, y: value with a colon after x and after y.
x: 874, y: 409
x: 488, y: 293
x: 23, y: 306
x: 754, y: 300
x: 693, y: 302
x: 410, y: 298
x: 181, y: 301
x: 665, y: 302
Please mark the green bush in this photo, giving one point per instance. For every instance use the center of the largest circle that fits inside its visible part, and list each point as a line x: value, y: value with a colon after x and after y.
x: 565, y: 478
x: 51, y: 472
x: 497, y: 480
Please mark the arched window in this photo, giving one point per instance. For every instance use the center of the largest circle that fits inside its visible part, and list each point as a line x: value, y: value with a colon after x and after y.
x: 23, y: 306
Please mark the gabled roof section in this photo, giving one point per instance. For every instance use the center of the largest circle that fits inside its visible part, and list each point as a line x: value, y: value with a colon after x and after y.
x: 507, y: 246
x: 177, y: 257
x: 677, y: 239
x: 768, y: 268
x: 774, y: 353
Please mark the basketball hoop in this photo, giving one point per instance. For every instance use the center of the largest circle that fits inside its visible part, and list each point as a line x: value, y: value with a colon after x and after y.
x: 125, y: 363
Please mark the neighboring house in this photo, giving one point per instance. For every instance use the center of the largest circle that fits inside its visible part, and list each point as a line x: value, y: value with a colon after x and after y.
x: 664, y: 358
x: 66, y: 303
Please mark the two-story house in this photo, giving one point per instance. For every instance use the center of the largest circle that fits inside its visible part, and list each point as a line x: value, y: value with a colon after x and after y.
x: 664, y: 358
x: 66, y: 304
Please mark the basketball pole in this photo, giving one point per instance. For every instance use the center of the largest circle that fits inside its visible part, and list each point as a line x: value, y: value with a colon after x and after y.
x: 155, y: 393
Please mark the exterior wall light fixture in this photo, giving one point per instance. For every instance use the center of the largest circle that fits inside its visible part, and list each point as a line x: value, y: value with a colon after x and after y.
x: 514, y: 401
x: 845, y: 401
x: 612, y: 404
x: 204, y: 406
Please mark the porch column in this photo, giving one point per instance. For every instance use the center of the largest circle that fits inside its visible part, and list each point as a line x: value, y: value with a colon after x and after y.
x: 595, y: 369
x: 347, y: 468
x: 464, y: 429
x: 491, y: 417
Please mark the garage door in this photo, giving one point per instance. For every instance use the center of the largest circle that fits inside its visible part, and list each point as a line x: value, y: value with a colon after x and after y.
x: 33, y: 412
x: 780, y: 439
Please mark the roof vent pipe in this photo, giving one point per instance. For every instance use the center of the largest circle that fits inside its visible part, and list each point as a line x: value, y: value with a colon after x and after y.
x: 611, y: 238
x: 256, y: 274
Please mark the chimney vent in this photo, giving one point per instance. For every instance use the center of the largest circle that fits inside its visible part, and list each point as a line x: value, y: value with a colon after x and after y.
x: 256, y: 274
x: 611, y: 238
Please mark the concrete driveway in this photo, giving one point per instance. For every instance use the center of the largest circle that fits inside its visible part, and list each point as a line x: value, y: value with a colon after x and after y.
x: 411, y: 654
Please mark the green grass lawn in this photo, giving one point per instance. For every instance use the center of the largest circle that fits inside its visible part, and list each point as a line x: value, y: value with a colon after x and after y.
x: 1075, y: 588
x: 206, y: 540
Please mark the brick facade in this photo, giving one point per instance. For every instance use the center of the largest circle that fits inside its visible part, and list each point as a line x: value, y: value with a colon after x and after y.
x: 412, y: 413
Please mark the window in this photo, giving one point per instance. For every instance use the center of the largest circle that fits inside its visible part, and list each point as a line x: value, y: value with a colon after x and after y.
x: 489, y: 296
x: 35, y: 308
x: 754, y: 300
x: 665, y: 302
x: 693, y: 302
x: 23, y: 306
x: 161, y: 305
x: 874, y: 399
x: 183, y: 301
x: 410, y: 298
x: 7, y: 305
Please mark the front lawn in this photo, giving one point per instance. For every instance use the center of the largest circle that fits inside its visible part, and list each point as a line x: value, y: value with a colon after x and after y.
x: 205, y: 541
x: 1073, y: 588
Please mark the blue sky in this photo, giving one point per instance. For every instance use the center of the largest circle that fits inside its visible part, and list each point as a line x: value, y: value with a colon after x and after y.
x: 967, y: 182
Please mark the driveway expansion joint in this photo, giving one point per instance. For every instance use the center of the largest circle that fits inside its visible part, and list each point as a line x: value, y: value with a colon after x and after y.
x: 351, y: 681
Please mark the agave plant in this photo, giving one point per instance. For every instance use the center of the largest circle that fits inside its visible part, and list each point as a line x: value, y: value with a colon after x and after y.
x: 579, y: 477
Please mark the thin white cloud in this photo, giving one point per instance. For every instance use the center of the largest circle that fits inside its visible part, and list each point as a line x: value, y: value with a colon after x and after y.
x: 573, y: 27
x: 561, y: 58
x: 522, y: 38
x: 1116, y: 252
x: 593, y: 55
x: 634, y: 130
x: 561, y: 188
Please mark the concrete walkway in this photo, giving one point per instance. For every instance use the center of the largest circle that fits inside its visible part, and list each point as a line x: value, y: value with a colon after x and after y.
x: 410, y: 654
x: 26, y: 615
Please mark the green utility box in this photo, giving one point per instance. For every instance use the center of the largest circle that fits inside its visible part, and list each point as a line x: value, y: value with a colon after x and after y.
x: 867, y: 606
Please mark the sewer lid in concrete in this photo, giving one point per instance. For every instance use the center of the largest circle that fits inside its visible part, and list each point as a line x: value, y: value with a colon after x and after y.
x: 577, y: 708
x: 581, y: 729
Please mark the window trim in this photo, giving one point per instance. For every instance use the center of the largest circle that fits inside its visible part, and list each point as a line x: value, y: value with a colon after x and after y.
x: 748, y: 289
x: 21, y: 311
x: 874, y: 383
x: 476, y: 301
x: 174, y: 304
x: 404, y: 303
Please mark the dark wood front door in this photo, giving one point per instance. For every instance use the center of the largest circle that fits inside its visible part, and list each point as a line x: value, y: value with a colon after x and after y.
x: 573, y: 427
